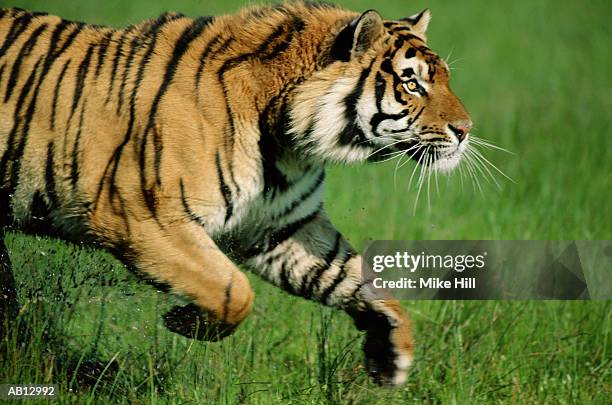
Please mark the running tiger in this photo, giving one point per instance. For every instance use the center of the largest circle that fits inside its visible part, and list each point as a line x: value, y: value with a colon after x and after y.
x: 187, y: 147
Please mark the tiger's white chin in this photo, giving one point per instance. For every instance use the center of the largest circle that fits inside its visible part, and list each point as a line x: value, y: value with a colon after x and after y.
x: 447, y: 164
x: 449, y: 161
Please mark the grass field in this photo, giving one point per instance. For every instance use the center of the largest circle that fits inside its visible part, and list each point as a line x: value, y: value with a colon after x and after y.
x: 535, y: 77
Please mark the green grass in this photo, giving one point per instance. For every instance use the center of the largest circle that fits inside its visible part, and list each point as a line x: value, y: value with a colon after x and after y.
x: 535, y: 77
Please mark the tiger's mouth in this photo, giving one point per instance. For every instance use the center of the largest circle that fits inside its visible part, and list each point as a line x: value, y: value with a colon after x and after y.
x: 438, y: 156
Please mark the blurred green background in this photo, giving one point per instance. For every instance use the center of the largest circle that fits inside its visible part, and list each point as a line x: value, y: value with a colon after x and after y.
x: 535, y: 77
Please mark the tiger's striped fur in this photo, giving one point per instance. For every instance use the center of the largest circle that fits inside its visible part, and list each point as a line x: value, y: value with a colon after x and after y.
x: 184, y: 146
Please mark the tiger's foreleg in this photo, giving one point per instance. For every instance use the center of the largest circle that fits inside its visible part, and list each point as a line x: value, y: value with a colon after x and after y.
x: 314, y: 261
x: 184, y: 257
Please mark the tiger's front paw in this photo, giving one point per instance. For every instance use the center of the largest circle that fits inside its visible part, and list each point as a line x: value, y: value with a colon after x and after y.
x: 190, y: 321
x: 388, y: 354
x: 388, y: 345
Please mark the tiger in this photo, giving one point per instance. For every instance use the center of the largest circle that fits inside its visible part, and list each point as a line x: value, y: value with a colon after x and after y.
x: 195, y: 148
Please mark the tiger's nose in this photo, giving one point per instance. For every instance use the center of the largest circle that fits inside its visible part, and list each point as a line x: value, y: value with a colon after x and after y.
x: 461, y: 129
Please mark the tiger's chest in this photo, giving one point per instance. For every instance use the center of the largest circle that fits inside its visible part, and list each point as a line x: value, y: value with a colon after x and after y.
x: 270, y: 211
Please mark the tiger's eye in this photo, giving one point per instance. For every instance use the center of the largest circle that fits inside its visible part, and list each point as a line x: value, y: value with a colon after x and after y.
x: 410, y: 86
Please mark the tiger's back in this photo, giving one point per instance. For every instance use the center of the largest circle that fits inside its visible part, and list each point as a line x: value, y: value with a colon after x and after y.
x: 95, y: 118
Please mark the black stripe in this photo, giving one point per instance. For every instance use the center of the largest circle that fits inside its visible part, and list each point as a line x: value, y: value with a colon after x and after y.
x: 258, y: 53
x: 277, y: 237
x: 69, y: 40
x: 152, y: 26
x: 18, y: 26
x: 297, y: 25
x: 308, y: 287
x: 225, y: 190
x: 406, y: 35
x: 115, y: 64
x: 74, y: 168
x: 399, y: 42
x: 102, y: 52
x: 134, y: 43
x: 324, y: 297
x: 180, y: 47
x: 50, y: 189
x: 387, y: 67
x: 187, y: 208
x: 285, y: 283
x: 25, y: 51
x: 412, y: 120
x: 79, y: 84
x: 351, y: 131
x: 52, y: 55
x: 55, y: 36
x: 56, y: 93
x: 380, y: 116
x: 273, y: 127
x: 303, y: 197
x: 158, y: 148
x: 204, y: 56
x: 408, y: 73
x: 228, y: 298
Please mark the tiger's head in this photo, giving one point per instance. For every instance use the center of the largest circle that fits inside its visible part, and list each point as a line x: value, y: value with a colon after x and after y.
x: 382, y: 93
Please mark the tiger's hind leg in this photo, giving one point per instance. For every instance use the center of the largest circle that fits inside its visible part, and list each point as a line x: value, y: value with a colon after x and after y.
x: 9, y: 305
x: 185, y: 258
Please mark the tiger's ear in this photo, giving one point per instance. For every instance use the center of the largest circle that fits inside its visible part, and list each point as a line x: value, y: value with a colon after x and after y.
x: 419, y: 23
x: 358, y: 36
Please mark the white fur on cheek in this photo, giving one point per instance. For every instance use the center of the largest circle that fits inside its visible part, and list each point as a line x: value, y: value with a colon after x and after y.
x: 328, y: 121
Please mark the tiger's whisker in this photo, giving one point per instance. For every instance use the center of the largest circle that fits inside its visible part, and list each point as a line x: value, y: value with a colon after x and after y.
x: 436, y: 176
x: 421, y: 179
x: 493, y: 166
x: 395, y: 154
x: 429, y: 170
x: 415, y: 167
x: 388, y: 136
x: 471, y: 165
x: 477, y: 166
x: 385, y: 147
x: 470, y: 171
x: 414, y: 153
x: 399, y: 160
x: 481, y: 142
x: 478, y: 159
